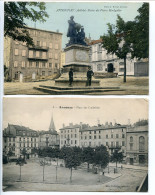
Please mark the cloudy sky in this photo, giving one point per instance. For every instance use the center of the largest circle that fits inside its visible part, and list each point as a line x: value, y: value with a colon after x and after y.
x: 36, y: 113
x: 93, y: 16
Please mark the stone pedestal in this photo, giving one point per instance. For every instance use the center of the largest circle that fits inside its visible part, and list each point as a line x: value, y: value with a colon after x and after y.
x: 77, y: 58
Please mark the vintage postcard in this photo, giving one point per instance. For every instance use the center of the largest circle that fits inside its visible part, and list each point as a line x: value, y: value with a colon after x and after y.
x: 77, y: 48
x: 65, y: 144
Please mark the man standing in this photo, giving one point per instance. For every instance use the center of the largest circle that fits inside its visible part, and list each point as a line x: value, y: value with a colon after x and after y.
x: 70, y: 76
x: 89, y: 75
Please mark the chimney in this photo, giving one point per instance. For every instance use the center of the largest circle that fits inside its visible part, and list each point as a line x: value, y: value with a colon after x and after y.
x: 71, y: 124
x: 129, y: 122
x: 63, y: 125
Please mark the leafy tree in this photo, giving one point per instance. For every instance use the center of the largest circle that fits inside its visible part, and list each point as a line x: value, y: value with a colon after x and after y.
x: 20, y: 162
x: 73, y: 160
x: 14, y: 15
x: 129, y: 38
x: 24, y: 153
x: 118, y: 40
x: 117, y: 157
x: 141, y: 123
x: 88, y: 156
x: 141, y: 33
x: 101, y: 157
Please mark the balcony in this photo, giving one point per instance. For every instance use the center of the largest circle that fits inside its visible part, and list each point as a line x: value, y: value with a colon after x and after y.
x: 33, y: 58
x: 35, y: 47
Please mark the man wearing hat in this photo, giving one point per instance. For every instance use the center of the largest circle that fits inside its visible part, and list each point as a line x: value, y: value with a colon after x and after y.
x: 89, y: 76
x: 70, y: 76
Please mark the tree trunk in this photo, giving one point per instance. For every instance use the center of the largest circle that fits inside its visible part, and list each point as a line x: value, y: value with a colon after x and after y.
x: 56, y: 173
x: 125, y: 69
x: 71, y: 176
x: 43, y: 172
x: 116, y: 166
x: 88, y: 167
x: 20, y: 172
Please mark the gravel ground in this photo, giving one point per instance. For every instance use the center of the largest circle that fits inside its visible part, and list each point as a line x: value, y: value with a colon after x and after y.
x: 133, y: 86
x: 126, y: 180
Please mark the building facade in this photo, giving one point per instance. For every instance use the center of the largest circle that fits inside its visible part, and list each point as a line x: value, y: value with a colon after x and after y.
x: 16, y: 138
x: 82, y: 135
x: 103, y: 62
x: 137, y: 145
x: 49, y: 138
x: 33, y: 62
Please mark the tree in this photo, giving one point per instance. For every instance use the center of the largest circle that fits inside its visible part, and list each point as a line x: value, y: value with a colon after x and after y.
x: 73, y: 160
x: 88, y: 156
x: 14, y: 15
x: 118, y: 40
x: 101, y: 157
x: 20, y: 162
x: 117, y: 157
x: 24, y: 153
x: 141, y: 33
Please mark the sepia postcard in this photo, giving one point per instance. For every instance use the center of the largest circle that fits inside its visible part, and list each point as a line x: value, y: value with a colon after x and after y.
x: 76, y: 48
x: 65, y: 144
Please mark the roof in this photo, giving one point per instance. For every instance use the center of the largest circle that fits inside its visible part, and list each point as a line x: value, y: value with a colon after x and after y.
x: 52, y: 126
x: 48, y: 132
x: 136, y: 129
x: 102, y: 127
x: 44, y: 30
x: 93, y: 42
x: 70, y: 127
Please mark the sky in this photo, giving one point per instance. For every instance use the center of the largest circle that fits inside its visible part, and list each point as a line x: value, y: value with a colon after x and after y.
x: 93, y: 16
x: 36, y: 113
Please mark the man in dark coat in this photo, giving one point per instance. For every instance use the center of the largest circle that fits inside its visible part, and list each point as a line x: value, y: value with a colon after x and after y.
x: 89, y: 76
x: 70, y: 76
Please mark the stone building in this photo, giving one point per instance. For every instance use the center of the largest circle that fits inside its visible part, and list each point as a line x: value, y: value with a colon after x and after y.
x: 16, y: 138
x: 69, y: 135
x: 137, y: 145
x: 33, y: 62
x: 82, y: 135
x: 103, y: 62
x: 49, y: 138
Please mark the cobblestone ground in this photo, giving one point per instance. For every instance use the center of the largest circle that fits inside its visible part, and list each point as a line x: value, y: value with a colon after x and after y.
x: 134, y: 85
x: 125, y: 180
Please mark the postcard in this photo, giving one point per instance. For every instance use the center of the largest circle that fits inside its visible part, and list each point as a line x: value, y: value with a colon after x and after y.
x: 76, y: 48
x: 65, y: 144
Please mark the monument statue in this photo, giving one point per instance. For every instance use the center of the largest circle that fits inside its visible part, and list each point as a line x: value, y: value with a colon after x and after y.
x: 76, y: 33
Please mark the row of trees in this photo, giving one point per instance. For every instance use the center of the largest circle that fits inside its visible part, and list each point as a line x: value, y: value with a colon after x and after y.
x: 129, y: 38
x: 75, y: 156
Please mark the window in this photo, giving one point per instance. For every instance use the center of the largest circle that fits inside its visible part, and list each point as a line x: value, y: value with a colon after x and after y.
x: 56, y: 56
x: 85, y: 137
x: 56, y: 46
x: 61, y: 142
x: 123, y: 135
x: 50, y: 65
x: 71, y: 135
x: 30, y: 54
x: 50, y: 45
x: 94, y: 136
x: 94, y: 132
x: 75, y: 141
x: 99, y: 131
x: 75, y: 135
x: 44, y: 55
x: 56, y: 65
x: 38, y: 43
x: 131, y: 139
x: 23, y: 52
x: 117, y: 144
x: 9, y: 139
x: 99, y: 137
x: 141, y: 144
x: 123, y: 143
x: 117, y: 136
x: 37, y: 64
x: 106, y: 143
x: 37, y: 54
x: 99, y: 67
x: 112, y: 136
x: 112, y: 144
x: 23, y: 64
x: 49, y: 73
x: 15, y: 64
x: 89, y: 132
x: 44, y: 44
x: 131, y: 146
x: 43, y: 64
x: 89, y: 143
x: 14, y: 139
x: 106, y: 136
x: 89, y: 137
x: 71, y: 141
